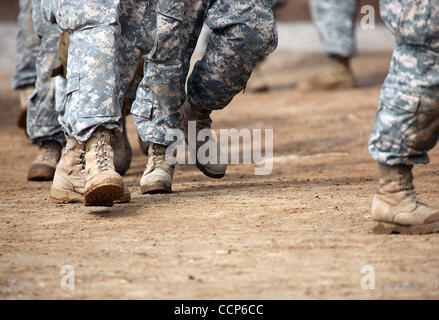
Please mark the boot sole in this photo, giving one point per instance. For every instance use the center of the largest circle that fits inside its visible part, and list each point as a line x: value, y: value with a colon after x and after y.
x: 390, y: 228
x: 126, y: 198
x: 103, y: 194
x: 66, y: 196
x: 211, y: 174
x: 156, y: 188
x: 40, y: 173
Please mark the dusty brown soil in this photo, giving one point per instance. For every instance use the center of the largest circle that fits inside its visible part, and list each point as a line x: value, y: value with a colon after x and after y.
x: 302, y: 232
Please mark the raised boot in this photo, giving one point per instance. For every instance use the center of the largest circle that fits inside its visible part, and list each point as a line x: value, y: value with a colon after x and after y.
x: 103, y: 185
x: 334, y: 73
x: 158, y: 174
x: 201, y: 117
x: 395, y: 206
x: 122, y: 149
x: 69, y: 180
x: 44, y: 165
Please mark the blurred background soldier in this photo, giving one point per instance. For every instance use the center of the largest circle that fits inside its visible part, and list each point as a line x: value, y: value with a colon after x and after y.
x: 43, y: 128
x: 335, y: 23
x: 27, y: 44
x: 407, y: 122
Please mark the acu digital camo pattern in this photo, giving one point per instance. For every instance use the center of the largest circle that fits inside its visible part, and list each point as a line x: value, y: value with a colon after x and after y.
x: 27, y: 48
x: 42, y: 122
x: 92, y: 86
x: 335, y: 23
x: 107, y: 39
x: 243, y: 33
x: 407, y: 122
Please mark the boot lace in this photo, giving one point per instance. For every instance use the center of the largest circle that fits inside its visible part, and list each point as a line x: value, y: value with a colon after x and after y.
x: 101, y: 153
x: 154, y: 159
x: 81, y: 160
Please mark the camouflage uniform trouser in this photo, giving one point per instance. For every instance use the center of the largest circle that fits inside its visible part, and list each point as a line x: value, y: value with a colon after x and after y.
x: 27, y: 48
x: 42, y: 123
x: 407, y: 122
x: 243, y: 33
x: 107, y: 38
x: 335, y: 22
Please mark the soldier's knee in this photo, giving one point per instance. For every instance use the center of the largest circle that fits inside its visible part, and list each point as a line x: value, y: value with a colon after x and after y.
x: 251, y: 43
x: 261, y: 37
x: 406, y: 123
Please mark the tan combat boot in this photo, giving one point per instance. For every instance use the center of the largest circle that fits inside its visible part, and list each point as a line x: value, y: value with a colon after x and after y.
x: 122, y: 150
x: 334, y: 73
x: 158, y: 175
x: 395, y: 206
x: 69, y: 181
x: 22, y: 110
x: 44, y: 165
x: 103, y: 185
x: 202, y: 119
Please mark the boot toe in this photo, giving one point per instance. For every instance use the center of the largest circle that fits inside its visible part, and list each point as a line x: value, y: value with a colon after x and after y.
x: 41, y: 172
x: 214, y: 171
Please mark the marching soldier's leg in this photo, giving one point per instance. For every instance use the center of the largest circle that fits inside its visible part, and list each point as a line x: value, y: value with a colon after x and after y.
x: 92, y: 108
x: 42, y: 124
x: 335, y: 23
x: 243, y: 34
x: 137, y: 19
x: 157, y: 108
x: 407, y: 122
x: 27, y: 50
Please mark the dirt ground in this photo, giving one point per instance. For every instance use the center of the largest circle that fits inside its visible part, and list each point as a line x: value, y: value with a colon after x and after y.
x: 303, y: 232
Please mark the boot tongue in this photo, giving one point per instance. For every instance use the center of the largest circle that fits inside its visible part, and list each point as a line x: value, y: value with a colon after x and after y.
x: 99, y: 144
x: 157, y: 156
